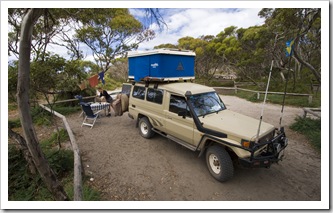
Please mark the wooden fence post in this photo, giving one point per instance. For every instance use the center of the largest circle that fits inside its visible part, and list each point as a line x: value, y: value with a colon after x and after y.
x: 310, y: 99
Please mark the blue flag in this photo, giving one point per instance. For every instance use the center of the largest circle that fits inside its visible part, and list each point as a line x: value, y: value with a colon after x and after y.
x: 101, y: 77
x: 290, y: 46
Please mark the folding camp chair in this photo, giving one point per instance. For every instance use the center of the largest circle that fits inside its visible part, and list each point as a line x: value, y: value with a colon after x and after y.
x: 79, y: 97
x: 91, y: 117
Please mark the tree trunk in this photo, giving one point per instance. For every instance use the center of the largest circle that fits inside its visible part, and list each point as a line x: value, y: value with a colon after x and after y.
x: 308, y: 65
x: 38, y: 157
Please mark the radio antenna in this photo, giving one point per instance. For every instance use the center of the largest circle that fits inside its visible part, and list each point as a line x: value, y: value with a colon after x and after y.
x: 267, y: 86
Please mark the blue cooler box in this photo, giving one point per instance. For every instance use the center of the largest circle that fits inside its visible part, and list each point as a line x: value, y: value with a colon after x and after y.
x: 161, y: 65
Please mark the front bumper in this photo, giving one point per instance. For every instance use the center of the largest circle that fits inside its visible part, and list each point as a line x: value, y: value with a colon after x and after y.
x: 272, y: 153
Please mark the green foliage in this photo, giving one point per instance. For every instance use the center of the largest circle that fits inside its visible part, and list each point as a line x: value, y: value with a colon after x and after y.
x: 18, y: 178
x: 45, y: 73
x: 299, y: 101
x: 119, y: 70
x: 61, y: 161
x: 54, y: 75
x: 109, y: 32
x: 248, y: 53
x: 12, y: 80
x: 215, y: 82
x: 89, y: 193
x: 172, y: 46
x: 110, y: 84
x: 40, y: 116
x: 50, y: 142
x: 311, y: 128
x: 65, y: 110
x: 12, y: 106
x: 14, y: 123
x: 22, y: 186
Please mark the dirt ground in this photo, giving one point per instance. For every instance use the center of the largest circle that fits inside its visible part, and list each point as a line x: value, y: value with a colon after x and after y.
x: 125, y: 166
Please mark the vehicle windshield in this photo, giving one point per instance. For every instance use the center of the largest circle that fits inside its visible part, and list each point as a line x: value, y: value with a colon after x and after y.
x: 206, y: 103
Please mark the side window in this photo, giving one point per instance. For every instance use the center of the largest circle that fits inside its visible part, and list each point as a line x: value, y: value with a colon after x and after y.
x: 126, y: 89
x: 177, y: 104
x: 155, y: 95
x: 139, y: 92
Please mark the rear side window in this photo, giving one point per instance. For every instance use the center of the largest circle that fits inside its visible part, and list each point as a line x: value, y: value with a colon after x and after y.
x: 155, y: 95
x: 177, y: 104
x: 139, y: 92
x: 126, y: 89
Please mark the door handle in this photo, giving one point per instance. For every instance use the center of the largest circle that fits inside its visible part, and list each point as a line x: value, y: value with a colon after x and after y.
x: 133, y: 106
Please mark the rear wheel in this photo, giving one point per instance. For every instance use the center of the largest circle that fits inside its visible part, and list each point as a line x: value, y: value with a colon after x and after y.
x: 219, y: 163
x: 145, y: 128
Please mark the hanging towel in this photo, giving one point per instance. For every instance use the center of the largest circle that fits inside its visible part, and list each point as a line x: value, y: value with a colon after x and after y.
x: 101, y: 77
x: 93, y: 81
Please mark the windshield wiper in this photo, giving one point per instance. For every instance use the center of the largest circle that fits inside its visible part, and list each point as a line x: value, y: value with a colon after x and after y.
x: 217, y: 112
x: 209, y: 113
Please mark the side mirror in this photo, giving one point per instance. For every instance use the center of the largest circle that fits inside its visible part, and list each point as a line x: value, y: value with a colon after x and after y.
x: 182, y: 113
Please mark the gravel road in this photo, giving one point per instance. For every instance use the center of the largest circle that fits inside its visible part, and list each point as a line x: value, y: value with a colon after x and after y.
x: 126, y: 167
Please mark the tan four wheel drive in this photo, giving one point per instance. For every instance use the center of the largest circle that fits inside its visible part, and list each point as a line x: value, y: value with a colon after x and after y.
x: 194, y: 116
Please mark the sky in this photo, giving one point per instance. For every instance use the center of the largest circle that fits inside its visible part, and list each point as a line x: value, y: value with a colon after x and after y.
x: 181, y: 22
x: 196, y: 22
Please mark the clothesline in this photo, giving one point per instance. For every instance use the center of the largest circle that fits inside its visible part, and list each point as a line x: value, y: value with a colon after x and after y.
x: 93, y: 81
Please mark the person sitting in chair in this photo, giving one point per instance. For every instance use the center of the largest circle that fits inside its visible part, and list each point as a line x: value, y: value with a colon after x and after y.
x: 104, y: 96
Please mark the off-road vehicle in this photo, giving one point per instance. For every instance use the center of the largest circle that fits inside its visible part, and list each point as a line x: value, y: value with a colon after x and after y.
x: 194, y: 116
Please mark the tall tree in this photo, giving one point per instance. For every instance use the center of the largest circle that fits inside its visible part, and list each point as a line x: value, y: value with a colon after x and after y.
x: 38, y: 157
x: 304, y: 26
x: 109, y: 32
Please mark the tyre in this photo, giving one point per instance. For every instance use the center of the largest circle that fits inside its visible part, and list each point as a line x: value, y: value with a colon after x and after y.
x: 219, y: 163
x: 145, y: 128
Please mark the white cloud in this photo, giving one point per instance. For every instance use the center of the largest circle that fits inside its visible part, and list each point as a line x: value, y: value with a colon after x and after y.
x: 139, y: 13
x: 196, y: 22
x: 182, y: 22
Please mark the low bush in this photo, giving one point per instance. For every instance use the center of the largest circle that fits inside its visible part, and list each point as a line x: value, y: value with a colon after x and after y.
x: 311, y: 128
x: 14, y: 123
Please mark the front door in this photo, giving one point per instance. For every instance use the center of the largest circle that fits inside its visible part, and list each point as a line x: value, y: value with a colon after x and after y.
x: 177, y: 126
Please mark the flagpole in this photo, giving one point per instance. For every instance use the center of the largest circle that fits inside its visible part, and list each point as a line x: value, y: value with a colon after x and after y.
x: 267, y: 86
x: 285, y: 92
x: 289, y: 53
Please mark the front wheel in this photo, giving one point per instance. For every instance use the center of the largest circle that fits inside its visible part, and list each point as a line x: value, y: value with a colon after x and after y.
x: 219, y: 163
x: 145, y: 128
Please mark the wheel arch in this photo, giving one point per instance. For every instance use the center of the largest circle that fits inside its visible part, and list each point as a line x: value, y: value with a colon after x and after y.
x: 207, y: 142
x: 138, y: 119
